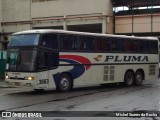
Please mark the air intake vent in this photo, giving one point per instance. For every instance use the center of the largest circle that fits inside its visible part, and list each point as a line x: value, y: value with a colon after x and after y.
x: 109, y: 73
x: 152, y: 70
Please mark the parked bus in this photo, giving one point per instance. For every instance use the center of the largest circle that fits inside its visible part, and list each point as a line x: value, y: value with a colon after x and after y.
x: 57, y: 59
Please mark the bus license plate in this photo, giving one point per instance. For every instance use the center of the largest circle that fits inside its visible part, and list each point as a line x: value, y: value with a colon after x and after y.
x: 17, y: 83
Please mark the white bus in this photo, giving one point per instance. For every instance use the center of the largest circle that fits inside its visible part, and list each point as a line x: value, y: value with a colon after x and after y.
x: 57, y: 59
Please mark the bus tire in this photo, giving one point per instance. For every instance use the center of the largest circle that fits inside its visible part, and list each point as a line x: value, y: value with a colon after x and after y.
x: 138, y: 78
x: 64, y: 83
x: 129, y: 78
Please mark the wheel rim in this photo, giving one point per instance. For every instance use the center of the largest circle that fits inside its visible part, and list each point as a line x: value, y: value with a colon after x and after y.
x: 129, y: 79
x: 64, y: 83
x: 138, y: 78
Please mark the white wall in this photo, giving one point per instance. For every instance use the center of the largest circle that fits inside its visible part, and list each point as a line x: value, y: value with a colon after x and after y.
x: 123, y: 24
x: 141, y: 23
x: 70, y: 7
x: 25, y: 10
x: 15, y: 10
x: 156, y: 23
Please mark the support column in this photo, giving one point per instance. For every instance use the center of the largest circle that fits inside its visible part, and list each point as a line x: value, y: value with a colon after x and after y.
x: 151, y: 15
x: 132, y: 17
x: 114, y: 21
x: 65, y: 23
x: 104, y: 25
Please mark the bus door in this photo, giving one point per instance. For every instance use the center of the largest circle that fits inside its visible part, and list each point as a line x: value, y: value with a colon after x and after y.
x: 47, y: 62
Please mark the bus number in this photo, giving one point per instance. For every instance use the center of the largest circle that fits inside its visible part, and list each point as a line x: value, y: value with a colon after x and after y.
x: 44, y: 81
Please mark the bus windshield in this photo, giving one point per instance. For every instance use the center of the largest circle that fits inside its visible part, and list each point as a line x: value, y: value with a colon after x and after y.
x: 21, y: 60
x: 24, y: 40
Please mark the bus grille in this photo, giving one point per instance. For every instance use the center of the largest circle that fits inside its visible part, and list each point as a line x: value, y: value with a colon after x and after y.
x: 15, y: 78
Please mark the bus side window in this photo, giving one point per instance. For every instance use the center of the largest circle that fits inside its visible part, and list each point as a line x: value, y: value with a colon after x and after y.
x: 154, y: 47
x: 103, y: 44
x: 68, y: 42
x: 42, y: 61
x: 82, y: 43
x: 48, y: 60
x: 86, y: 43
x: 117, y: 45
x: 98, y: 44
x: 90, y: 44
x: 53, y: 59
x: 73, y: 43
x: 130, y: 45
x: 50, y: 41
x: 106, y: 44
x: 144, y: 46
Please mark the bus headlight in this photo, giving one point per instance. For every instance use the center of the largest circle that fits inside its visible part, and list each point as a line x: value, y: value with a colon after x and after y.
x: 6, y: 77
x: 29, y: 78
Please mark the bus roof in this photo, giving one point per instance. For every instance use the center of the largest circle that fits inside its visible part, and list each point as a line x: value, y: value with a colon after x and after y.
x: 42, y: 31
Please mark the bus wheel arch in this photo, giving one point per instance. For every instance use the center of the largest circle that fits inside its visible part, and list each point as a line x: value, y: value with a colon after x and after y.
x: 65, y: 82
x: 139, y: 77
x: 129, y: 77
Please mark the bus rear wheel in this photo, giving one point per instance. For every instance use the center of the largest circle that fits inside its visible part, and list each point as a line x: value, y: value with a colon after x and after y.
x: 64, y: 83
x: 138, y: 78
x: 129, y: 78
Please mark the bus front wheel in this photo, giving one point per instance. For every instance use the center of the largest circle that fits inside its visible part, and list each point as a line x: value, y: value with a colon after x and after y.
x: 129, y: 78
x: 64, y: 83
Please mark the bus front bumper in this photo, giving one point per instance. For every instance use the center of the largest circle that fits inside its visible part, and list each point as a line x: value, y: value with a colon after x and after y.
x: 20, y: 83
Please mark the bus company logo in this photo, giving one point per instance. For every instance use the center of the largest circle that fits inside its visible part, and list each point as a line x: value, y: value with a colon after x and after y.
x: 80, y: 65
x: 98, y: 58
x: 127, y: 58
